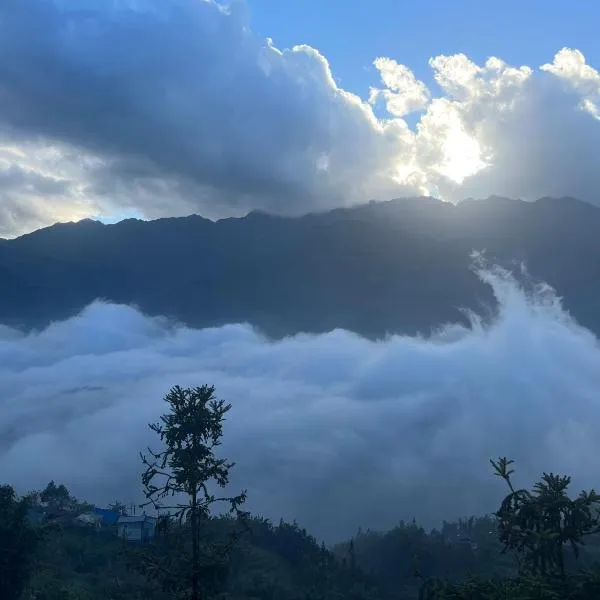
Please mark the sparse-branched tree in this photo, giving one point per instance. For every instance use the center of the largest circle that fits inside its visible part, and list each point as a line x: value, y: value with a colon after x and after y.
x: 185, y: 469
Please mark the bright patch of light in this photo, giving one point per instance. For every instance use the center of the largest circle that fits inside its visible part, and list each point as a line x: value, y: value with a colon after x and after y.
x: 115, y: 217
x: 462, y: 156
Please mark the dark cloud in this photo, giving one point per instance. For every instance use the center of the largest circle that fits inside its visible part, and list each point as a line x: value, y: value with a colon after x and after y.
x: 16, y: 179
x: 332, y: 430
x: 26, y: 195
x: 184, y: 90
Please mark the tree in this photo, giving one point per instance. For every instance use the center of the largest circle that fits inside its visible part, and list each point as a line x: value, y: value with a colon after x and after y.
x: 535, y: 526
x: 57, y: 502
x: 56, y: 496
x: 191, y: 431
x: 18, y: 543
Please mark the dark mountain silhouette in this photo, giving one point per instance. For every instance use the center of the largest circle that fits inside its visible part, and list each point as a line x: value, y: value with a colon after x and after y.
x: 401, y: 266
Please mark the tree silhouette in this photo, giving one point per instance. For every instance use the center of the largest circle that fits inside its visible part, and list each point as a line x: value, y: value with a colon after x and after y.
x: 18, y: 543
x: 190, y: 431
x: 535, y: 526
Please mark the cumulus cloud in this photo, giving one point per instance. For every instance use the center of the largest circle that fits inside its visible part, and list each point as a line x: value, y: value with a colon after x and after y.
x: 403, y: 93
x: 168, y: 108
x: 536, y: 131
x: 333, y: 430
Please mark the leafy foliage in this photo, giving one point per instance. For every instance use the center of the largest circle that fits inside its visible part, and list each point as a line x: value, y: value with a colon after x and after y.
x: 18, y: 543
x: 284, y: 562
x: 535, y: 526
x: 190, y: 431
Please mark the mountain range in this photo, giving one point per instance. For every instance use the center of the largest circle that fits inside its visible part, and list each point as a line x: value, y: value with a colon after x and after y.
x: 402, y: 266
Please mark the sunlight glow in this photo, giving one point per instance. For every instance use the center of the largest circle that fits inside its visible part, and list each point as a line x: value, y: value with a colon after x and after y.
x: 462, y: 156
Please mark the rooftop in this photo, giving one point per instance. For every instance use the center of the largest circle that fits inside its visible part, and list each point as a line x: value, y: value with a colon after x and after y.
x: 136, y: 519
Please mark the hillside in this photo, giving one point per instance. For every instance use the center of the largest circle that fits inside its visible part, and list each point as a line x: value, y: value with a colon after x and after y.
x: 279, y: 561
x: 400, y: 266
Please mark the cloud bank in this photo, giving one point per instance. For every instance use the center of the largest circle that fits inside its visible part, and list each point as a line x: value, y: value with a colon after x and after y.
x: 160, y: 107
x: 333, y: 430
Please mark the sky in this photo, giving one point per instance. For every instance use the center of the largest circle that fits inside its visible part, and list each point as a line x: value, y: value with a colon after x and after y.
x: 155, y: 108
x: 352, y: 34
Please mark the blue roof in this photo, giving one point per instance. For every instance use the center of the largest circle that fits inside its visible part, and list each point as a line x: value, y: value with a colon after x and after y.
x: 109, y: 517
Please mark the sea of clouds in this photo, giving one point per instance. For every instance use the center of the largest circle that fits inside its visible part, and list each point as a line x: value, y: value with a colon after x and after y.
x: 333, y: 430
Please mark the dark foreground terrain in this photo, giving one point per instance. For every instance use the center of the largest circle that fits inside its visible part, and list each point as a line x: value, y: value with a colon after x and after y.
x: 270, y: 561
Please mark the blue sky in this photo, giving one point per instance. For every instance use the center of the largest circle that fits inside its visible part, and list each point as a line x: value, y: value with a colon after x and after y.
x: 351, y: 34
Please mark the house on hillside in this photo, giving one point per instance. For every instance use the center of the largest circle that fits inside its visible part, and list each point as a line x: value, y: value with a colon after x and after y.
x: 98, y: 518
x: 137, y: 528
x: 109, y: 517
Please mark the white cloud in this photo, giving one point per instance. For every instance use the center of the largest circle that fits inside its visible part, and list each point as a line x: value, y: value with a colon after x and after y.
x: 534, y: 135
x: 332, y: 429
x: 403, y: 92
x: 570, y: 65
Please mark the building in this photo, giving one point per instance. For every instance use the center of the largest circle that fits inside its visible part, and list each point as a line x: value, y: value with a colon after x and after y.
x: 98, y: 518
x: 109, y: 517
x: 137, y: 528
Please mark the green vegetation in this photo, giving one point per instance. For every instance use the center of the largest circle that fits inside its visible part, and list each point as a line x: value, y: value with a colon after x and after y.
x: 18, y: 543
x: 538, y: 528
x: 191, y: 431
x: 540, y: 544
